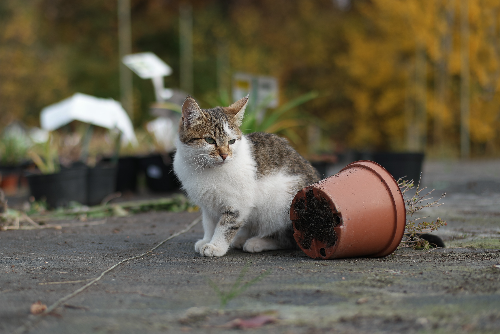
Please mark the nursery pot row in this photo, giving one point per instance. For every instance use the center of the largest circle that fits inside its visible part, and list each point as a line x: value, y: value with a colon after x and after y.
x: 76, y: 184
x: 157, y: 169
x: 359, y: 211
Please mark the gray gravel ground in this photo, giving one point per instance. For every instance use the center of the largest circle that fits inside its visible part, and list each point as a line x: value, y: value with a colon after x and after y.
x: 451, y: 290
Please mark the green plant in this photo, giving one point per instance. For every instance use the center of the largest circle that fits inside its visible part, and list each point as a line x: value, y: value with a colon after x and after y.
x: 282, y: 119
x: 413, y: 204
x: 178, y: 203
x: 238, y: 287
x: 13, y: 148
x: 47, y: 160
x: 145, y: 144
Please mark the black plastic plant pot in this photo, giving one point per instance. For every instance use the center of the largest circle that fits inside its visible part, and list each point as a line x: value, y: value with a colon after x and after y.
x: 127, y: 171
x: 10, y: 169
x: 160, y: 176
x: 126, y: 175
x: 101, y: 181
x: 59, y: 189
x: 321, y: 167
x: 401, y: 164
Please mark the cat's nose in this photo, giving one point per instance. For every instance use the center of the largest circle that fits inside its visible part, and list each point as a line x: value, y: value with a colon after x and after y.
x: 223, y: 156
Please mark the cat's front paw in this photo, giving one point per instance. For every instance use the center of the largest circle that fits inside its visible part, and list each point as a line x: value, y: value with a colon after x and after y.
x: 212, y: 250
x: 199, y: 244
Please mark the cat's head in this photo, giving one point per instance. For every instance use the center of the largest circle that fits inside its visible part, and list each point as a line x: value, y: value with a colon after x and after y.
x: 211, y: 136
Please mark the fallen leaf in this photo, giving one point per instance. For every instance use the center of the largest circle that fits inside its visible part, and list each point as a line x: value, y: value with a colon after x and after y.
x: 361, y: 300
x: 38, y: 307
x: 255, y: 322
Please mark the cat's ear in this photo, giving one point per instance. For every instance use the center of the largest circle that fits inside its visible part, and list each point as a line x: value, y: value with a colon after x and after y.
x: 237, y: 110
x: 191, y: 112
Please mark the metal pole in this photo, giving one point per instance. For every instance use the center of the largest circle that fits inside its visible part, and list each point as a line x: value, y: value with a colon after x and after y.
x: 464, y: 81
x: 124, y: 48
x: 186, y: 47
x: 222, y: 66
x: 442, y: 75
x: 421, y: 97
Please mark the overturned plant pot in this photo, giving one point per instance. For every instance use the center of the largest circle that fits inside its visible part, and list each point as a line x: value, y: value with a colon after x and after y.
x: 358, y: 212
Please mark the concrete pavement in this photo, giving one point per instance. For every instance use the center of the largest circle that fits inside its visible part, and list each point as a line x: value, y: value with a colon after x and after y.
x: 130, y: 288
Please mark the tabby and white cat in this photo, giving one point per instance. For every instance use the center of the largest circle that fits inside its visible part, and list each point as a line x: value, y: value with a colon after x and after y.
x: 244, y: 184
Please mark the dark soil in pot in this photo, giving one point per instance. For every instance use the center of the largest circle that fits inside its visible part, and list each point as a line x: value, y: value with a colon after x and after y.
x: 316, y: 220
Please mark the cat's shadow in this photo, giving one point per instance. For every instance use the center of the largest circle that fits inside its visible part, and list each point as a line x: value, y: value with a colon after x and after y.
x: 288, y: 253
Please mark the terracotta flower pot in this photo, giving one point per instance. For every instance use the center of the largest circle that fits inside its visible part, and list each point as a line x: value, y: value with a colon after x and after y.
x: 359, y: 211
x: 10, y: 183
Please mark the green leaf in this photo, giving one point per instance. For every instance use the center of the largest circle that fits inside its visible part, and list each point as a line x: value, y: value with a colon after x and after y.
x: 269, y: 121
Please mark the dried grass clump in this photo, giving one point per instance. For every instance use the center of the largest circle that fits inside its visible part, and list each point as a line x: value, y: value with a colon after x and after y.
x: 416, y: 226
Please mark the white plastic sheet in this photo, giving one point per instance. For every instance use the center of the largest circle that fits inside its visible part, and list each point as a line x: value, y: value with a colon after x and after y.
x: 107, y: 113
x: 165, y: 132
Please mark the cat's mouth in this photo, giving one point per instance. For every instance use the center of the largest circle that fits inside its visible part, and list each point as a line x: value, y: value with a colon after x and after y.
x: 218, y: 163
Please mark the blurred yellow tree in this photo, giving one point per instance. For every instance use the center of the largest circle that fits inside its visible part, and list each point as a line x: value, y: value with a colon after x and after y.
x: 404, y: 67
x: 30, y: 77
x: 293, y: 41
x: 388, y: 72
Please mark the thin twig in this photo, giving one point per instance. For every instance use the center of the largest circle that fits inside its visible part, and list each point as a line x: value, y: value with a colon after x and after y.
x: 29, y: 220
x: 65, y: 282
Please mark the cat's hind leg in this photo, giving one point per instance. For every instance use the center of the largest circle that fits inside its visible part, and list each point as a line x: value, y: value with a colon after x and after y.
x: 241, y: 237
x: 257, y: 244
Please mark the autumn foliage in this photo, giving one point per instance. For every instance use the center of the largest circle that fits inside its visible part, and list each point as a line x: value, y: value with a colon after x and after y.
x: 389, y: 73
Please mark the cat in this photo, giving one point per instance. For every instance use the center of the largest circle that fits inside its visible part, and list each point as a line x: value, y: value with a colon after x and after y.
x: 244, y: 184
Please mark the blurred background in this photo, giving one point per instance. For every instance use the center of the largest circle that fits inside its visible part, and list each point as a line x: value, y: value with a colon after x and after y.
x: 390, y: 74
x: 350, y: 75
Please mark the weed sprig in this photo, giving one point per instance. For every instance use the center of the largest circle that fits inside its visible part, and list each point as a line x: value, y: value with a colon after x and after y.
x: 413, y: 204
x: 238, y: 287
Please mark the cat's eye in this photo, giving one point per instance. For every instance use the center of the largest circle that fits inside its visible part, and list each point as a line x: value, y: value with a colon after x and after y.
x: 210, y: 140
x: 232, y: 141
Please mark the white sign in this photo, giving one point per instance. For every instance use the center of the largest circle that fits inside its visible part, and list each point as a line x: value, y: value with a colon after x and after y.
x: 260, y: 88
x: 147, y: 65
